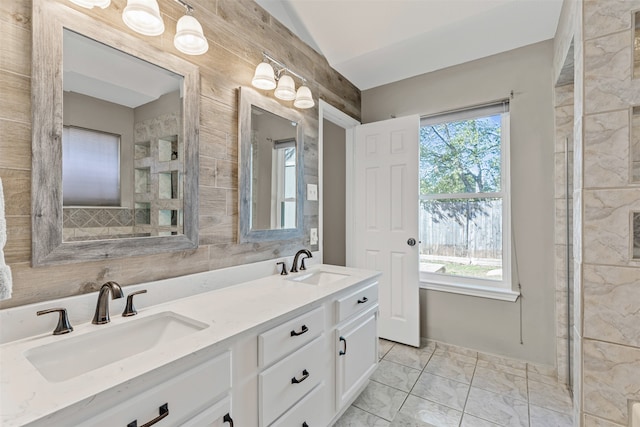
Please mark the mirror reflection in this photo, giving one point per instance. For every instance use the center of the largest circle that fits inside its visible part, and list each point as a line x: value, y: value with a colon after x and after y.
x: 122, y: 144
x: 273, y: 171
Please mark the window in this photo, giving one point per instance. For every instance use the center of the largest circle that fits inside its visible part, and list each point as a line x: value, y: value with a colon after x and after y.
x: 90, y: 168
x: 285, y: 182
x: 464, y: 202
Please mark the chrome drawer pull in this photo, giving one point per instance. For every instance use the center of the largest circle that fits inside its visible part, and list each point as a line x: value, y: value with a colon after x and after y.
x: 343, y: 352
x: 164, y: 413
x: 305, y: 375
x: 302, y: 331
x: 363, y: 300
x: 227, y: 419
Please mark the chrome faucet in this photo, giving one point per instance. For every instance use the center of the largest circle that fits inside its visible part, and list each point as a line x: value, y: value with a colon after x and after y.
x: 294, y: 267
x: 102, y: 308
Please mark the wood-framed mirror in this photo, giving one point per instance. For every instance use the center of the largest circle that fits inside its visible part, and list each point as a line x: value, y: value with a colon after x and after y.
x: 270, y: 169
x: 115, y: 164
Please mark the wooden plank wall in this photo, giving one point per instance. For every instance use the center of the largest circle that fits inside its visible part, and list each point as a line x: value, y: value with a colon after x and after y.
x: 238, y: 32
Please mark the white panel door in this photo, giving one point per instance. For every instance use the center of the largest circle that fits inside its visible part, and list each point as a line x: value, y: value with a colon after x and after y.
x: 385, y: 219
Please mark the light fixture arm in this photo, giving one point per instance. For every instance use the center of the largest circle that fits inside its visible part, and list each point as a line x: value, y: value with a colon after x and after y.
x: 282, y: 68
x: 186, y: 5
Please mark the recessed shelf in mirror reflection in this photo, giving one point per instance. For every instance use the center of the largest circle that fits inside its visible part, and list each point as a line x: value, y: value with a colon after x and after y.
x: 95, y: 77
x: 635, y: 145
x: 636, y: 45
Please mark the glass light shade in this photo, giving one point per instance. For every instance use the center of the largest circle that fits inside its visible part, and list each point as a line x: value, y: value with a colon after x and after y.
x: 189, y: 37
x: 143, y: 16
x: 286, y: 89
x: 264, y: 77
x: 90, y: 4
x: 303, y: 98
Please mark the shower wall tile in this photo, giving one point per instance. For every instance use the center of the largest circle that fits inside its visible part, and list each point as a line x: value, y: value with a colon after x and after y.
x: 562, y: 307
x: 577, y: 298
x: 561, y: 171
x: 635, y: 144
x: 561, y: 360
x: 636, y: 235
x: 607, y: 223
x: 590, y: 421
x: 602, y: 17
x: 610, y: 378
x: 577, y: 154
x: 611, y: 298
x: 606, y: 149
x: 563, y: 96
x: 607, y: 78
x: 561, y: 222
x: 577, y: 225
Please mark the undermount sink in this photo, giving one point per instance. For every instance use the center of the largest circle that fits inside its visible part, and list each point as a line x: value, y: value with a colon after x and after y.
x: 74, y: 356
x: 318, y: 277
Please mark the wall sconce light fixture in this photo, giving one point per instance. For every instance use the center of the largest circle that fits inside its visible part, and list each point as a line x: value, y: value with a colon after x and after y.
x: 266, y: 77
x: 143, y: 16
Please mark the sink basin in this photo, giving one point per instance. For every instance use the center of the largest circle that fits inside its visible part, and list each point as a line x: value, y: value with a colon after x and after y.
x: 318, y: 277
x: 63, y: 360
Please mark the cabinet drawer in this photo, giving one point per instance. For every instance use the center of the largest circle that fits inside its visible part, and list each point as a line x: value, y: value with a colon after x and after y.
x: 289, y: 380
x: 185, y: 394
x: 308, y: 410
x: 283, y: 339
x: 356, y: 302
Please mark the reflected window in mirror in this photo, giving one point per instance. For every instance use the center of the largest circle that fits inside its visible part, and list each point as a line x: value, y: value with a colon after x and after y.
x: 142, y: 108
x: 89, y: 75
x: 273, y: 171
x: 270, y: 169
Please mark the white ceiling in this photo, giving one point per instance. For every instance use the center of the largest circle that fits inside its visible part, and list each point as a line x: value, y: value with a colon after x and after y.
x: 374, y: 42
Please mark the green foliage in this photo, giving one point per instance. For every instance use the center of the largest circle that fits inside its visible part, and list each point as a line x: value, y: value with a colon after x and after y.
x: 460, y: 157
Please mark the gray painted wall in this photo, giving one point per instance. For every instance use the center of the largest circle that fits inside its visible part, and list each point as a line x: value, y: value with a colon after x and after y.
x: 479, y: 323
x: 334, y: 184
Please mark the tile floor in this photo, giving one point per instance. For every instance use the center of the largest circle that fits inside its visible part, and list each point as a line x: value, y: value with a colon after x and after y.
x: 442, y: 385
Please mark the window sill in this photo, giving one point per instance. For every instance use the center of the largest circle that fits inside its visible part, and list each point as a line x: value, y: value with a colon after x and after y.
x: 473, y: 290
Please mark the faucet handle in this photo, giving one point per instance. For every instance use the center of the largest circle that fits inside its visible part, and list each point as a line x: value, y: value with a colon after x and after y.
x: 284, y: 268
x: 129, y: 309
x: 63, y: 326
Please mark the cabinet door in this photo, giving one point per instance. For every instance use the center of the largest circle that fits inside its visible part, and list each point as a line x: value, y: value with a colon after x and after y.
x: 217, y: 415
x: 356, y: 355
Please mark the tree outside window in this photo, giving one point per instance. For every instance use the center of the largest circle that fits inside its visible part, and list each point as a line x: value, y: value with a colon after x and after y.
x: 461, y: 197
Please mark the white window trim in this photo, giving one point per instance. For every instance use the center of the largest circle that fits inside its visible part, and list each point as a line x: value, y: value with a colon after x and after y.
x: 507, y: 289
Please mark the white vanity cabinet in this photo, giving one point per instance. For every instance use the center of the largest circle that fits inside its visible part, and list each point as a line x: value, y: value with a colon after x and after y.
x: 293, y: 359
x: 198, y: 396
x: 356, y: 353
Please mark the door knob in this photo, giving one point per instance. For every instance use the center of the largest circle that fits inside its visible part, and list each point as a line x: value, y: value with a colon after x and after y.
x: 411, y: 242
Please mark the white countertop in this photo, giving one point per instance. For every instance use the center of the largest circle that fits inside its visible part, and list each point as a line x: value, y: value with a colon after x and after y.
x: 26, y: 396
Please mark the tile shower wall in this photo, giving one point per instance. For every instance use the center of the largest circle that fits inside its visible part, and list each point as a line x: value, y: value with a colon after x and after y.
x: 564, y: 224
x: 238, y: 32
x: 606, y: 200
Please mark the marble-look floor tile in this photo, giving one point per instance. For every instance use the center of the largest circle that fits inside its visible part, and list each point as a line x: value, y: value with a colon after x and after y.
x: 441, y: 390
x: 396, y: 375
x: 356, y: 417
x: 431, y: 412
x: 451, y: 368
x: 403, y: 420
x: 542, y: 417
x: 412, y: 357
x: 380, y: 400
x: 463, y: 358
x: 503, y: 364
x: 555, y: 397
x: 383, y: 347
x: 449, y: 348
x: 471, y: 421
x: 501, y: 383
x: 497, y: 408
